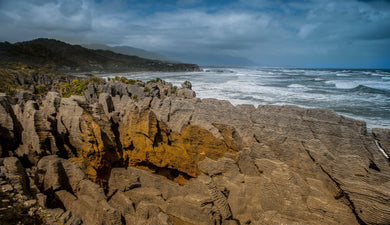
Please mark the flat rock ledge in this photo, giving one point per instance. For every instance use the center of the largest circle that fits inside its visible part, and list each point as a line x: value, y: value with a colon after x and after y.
x: 167, y: 157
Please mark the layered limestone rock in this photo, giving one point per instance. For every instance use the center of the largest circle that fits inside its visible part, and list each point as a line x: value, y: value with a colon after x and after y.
x: 21, y: 200
x: 10, y: 128
x: 162, y: 156
x: 70, y: 188
x: 382, y: 138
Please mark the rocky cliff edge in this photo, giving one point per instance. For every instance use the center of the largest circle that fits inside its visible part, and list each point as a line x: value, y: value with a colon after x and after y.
x: 156, y: 154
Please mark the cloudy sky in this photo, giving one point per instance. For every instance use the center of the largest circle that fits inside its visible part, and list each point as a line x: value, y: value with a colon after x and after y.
x: 296, y: 33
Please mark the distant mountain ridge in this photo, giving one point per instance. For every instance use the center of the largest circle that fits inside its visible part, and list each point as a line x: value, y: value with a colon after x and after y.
x: 128, y: 50
x: 75, y: 58
x: 202, y: 59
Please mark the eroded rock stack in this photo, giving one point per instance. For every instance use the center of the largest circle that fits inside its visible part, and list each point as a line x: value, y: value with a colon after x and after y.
x: 127, y: 154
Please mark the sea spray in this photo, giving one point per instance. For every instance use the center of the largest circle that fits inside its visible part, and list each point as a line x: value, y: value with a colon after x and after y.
x: 360, y: 94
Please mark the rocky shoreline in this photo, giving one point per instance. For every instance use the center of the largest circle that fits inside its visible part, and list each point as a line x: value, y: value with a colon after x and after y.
x: 128, y: 152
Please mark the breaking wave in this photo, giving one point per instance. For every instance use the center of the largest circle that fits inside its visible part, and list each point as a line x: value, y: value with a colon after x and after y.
x: 361, y: 94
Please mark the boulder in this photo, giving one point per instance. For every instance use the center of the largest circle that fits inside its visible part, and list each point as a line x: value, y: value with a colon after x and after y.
x: 16, y: 175
x: 123, y: 203
x: 75, y: 192
x: 122, y: 179
x: 56, y: 173
x: 106, y: 101
x: 91, y: 93
x: 191, y: 210
x: 223, y: 164
x: 10, y: 128
x: 145, y: 194
x: 146, y: 210
x: 186, y: 93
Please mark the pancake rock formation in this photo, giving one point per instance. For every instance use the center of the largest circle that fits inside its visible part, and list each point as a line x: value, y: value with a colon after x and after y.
x: 156, y: 154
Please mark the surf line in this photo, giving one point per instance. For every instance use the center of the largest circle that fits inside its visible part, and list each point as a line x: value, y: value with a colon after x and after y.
x: 381, y: 149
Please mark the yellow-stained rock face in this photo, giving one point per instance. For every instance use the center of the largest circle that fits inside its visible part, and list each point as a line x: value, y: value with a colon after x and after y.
x: 292, y: 165
x: 90, y: 152
x: 93, y: 155
x: 149, y: 143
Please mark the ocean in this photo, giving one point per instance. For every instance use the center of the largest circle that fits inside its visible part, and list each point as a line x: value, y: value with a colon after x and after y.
x: 359, y: 94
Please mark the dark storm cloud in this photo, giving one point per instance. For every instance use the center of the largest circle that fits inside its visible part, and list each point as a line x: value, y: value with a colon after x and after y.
x: 27, y: 19
x: 301, y: 33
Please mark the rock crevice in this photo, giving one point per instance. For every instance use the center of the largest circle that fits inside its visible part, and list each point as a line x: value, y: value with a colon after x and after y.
x: 167, y: 157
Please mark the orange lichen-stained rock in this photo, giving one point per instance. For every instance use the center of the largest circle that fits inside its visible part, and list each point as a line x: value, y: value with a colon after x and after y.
x: 289, y: 165
x: 148, y: 143
x: 90, y: 145
x: 91, y: 150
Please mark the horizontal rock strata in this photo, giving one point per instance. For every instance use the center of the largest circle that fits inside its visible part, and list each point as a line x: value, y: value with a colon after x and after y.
x: 166, y: 157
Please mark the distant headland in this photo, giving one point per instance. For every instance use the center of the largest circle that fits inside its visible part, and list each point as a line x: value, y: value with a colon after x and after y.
x: 75, y: 58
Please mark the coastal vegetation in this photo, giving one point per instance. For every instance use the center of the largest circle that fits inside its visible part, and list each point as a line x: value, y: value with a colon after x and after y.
x: 132, y: 152
x: 174, y: 89
x: 154, y: 80
x: 117, y: 151
x: 78, y: 87
x: 75, y: 58
x: 124, y: 80
x: 146, y: 89
x: 38, y: 80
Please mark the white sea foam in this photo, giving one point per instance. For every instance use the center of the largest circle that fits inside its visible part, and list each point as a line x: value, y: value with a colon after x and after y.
x: 296, y: 86
x: 343, y: 84
x: 281, y: 86
x: 343, y: 75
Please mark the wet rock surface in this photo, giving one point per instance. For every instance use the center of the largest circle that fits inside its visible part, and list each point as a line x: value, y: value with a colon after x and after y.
x: 166, y: 157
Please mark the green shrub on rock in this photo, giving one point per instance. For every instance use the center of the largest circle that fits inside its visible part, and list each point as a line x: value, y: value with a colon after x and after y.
x: 154, y: 80
x: 124, y: 80
x: 174, y: 89
x: 41, y: 90
x: 77, y: 87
